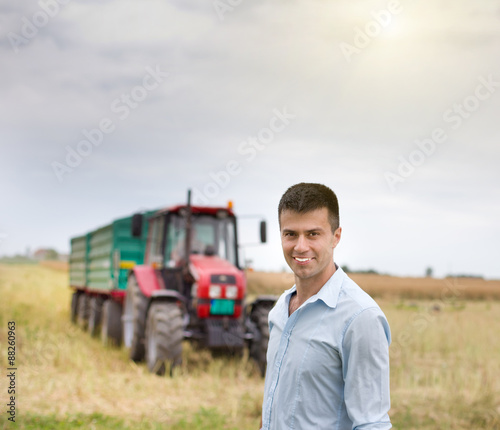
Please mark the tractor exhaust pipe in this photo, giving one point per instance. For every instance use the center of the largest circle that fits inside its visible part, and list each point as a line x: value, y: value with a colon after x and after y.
x: 188, y: 231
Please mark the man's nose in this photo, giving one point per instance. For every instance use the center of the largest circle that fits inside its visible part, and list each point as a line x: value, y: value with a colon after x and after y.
x: 301, y: 245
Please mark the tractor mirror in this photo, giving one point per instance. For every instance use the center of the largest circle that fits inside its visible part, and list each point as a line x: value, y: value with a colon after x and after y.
x: 263, y: 232
x: 136, y: 228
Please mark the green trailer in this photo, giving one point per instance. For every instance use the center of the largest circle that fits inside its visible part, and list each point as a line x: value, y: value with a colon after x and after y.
x: 99, y: 264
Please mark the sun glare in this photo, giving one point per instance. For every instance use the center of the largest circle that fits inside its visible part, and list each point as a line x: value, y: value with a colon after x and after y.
x: 395, y: 29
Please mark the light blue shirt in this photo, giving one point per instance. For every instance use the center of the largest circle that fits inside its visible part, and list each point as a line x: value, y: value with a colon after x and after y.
x: 328, y: 362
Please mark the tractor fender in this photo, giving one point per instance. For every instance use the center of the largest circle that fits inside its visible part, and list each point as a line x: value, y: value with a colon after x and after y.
x: 147, y: 279
x: 263, y: 300
x: 169, y: 295
x: 163, y: 295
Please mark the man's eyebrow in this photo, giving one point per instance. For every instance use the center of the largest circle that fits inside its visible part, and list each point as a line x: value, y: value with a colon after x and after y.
x: 312, y: 230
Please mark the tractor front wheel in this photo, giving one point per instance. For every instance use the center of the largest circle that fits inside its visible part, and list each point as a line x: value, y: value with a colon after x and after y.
x: 164, y: 335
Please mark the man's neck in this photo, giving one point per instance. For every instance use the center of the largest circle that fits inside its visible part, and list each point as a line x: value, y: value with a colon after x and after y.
x: 307, y: 288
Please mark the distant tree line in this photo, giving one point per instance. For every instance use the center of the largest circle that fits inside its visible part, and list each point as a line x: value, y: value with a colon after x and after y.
x: 346, y: 269
x: 17, y: 259
x: 464, y: 275
x: 429, y: 273
x: 42, y: 254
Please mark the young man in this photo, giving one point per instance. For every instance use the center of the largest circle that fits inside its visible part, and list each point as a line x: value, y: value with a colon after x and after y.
x: 328, y: 354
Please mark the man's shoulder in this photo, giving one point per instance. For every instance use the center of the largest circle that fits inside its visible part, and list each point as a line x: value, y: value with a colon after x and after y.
x: 357, y: 305
x: 353, y: 295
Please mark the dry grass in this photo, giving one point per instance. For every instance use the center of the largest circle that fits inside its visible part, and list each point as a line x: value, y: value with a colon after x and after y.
x: 445, y: 360
x: 63, y: 266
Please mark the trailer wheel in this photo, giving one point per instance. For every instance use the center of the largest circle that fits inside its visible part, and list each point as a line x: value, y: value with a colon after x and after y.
x: 258, y: 345
x: 74, y: 306
x: 111, y: 326
x: 83, y: 310
x: 95, y: 315
x: 134, y: 320
x: 164, y: 335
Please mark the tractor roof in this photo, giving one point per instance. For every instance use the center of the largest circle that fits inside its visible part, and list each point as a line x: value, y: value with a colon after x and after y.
x: 196, y: 210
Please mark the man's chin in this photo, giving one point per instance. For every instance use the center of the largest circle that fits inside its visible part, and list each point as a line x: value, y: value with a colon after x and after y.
x: 302, y: 272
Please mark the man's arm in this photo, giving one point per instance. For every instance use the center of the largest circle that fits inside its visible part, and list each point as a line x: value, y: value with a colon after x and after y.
x: 365, y: 362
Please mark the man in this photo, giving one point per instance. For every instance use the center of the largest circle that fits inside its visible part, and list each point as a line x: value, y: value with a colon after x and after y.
x: 328, y: 354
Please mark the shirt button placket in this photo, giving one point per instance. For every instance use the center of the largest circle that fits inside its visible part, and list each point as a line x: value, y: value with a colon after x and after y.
x: 285, y: 337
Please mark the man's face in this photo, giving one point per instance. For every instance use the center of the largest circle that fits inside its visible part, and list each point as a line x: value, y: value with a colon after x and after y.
x: 308, y: 244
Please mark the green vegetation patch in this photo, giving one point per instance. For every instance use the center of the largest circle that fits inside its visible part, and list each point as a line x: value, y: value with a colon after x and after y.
x: 204, y: 419
x: 93, y: 421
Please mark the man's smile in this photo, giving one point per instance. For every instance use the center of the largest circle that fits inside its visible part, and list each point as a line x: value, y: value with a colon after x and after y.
x: 302, y: 259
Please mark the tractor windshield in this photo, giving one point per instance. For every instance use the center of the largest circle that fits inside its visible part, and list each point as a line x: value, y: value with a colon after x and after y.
x: 210, y: 235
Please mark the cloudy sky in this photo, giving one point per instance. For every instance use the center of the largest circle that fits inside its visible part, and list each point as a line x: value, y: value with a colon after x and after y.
x: 109, y: 107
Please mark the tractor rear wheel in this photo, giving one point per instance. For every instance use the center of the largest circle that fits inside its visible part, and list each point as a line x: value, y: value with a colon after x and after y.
x: 134, y: 320
x: 82, y: 311
x: 95, y: 315
x: 111, y: 325
x: 164, y: 335
x: 258, y: 346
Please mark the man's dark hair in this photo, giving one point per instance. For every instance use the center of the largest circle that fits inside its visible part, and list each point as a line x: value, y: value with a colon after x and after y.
x: 306, y: 197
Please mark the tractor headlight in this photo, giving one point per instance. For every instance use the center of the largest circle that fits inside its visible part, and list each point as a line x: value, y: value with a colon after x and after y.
x: 214, y: 292
x: 231, y: 292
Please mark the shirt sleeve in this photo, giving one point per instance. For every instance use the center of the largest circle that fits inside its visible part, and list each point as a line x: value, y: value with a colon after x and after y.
x: 365, y: 366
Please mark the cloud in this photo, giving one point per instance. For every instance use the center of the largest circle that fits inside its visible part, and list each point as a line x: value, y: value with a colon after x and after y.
x: 353, y: 119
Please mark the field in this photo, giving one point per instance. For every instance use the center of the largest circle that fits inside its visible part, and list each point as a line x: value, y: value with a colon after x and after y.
x: 391, y: 287
x: 445, y: 361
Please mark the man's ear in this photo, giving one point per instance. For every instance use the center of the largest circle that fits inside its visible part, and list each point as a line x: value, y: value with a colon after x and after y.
x: 336, y: 236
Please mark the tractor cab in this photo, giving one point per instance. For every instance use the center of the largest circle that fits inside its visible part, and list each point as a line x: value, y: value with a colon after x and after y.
x: 207, y: 232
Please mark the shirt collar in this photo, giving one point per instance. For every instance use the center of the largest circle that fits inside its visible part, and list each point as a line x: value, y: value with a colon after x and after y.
x: 329, y: 293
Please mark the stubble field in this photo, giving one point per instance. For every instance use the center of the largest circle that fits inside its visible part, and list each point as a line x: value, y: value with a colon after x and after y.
x: 445, y: 361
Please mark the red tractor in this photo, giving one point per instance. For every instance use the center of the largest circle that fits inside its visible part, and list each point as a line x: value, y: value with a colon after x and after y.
x: 191, y: 287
